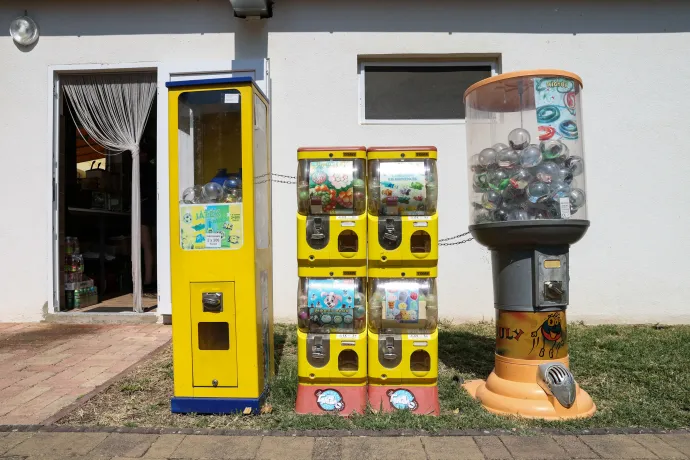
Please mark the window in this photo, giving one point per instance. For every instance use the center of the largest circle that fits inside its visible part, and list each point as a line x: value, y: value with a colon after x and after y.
x: 409, y: 92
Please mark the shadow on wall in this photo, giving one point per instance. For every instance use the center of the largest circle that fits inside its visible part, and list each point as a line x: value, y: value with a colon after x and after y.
x: 136, y: 17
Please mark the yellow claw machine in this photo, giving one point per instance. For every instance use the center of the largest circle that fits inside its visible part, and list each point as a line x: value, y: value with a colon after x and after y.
x: 331, y: 298
x: 402, y: 298
x: 220, y: 245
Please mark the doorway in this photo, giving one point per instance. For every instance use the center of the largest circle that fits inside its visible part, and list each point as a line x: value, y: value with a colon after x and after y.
x: 94, y: 219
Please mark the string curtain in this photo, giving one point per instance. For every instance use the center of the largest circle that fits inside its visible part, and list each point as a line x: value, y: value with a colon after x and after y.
x: 113, y: 109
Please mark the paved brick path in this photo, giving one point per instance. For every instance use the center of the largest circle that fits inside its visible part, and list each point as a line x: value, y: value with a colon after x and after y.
x: 46, y: 367
x: 121, y: 446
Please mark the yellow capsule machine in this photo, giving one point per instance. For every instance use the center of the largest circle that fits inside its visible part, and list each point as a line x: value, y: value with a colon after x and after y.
x: 331, y: 297
x: 220, y: 245
x: 402, y: 298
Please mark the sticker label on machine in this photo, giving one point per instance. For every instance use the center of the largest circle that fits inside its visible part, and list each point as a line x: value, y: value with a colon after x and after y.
x: 331, y: 187
x: 403, y: 187
x: 403, y: 302
x: 211, y: 226
x: 531, y: 335
x: 332, y: 302
x: 555, y: 99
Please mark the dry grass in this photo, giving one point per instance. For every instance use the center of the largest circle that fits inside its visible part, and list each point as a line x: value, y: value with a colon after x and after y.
x: 638, y: 376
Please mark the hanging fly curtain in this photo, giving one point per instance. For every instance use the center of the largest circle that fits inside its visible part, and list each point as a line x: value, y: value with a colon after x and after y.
x: 113, y: 110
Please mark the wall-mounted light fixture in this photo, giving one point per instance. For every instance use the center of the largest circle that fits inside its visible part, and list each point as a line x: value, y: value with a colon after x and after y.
x: 24, y: 30
x: 254, y: 9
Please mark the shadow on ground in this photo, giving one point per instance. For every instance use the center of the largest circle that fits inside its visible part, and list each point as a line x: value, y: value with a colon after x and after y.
x: 467, y: 352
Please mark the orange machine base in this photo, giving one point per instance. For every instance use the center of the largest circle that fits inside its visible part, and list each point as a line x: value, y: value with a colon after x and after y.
x: 512, y: 389
x: 417, y: 399
x: 325, y: 399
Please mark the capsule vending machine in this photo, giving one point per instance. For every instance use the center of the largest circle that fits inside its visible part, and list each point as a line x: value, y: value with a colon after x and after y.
x: 528, y: 205
x: 331, y: 302
x: 220, y: 245
x: 402, y: 300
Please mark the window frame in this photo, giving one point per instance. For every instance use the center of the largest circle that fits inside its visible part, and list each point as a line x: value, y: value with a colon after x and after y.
x: 413, y: 63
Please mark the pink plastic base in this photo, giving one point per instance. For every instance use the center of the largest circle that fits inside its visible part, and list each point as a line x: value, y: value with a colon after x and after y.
x: 313, y: 399
x: 419, y: 400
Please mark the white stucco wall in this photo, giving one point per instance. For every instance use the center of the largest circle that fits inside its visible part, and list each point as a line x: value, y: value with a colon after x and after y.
x: 633, y: 59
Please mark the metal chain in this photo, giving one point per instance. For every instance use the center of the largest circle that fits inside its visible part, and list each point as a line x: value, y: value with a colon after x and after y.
x: 274, y: 180
x: 454, y: 237
x: 291, y: 182
x: 456, y: 242
x: 441, y: 242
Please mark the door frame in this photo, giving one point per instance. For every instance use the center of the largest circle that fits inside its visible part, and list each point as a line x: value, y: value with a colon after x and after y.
x: 165, y: 71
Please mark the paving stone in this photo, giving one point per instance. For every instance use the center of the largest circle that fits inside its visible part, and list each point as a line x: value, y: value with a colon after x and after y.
x: 532, y: 447
x: 383, y: 448
x: 657, y: 446
x: 164, y: 446
x: 129, y: 458
x: 11, y: 440
x: 220, y: 447
x: 574, y: 447
x: 492, y: 447
x: 54, y: 445
x: 452, y: 448
x: 284, y: 448
x: 327, y: 449
x: 616, y: 446
x: 680, y: 442
x: 124, y: 445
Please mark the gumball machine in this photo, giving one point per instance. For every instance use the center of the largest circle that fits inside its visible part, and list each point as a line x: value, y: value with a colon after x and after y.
x: 331, y: 298
x: 403, y: 224
x: 528, y: 205
x: 402, y: 301
x: 331, y: 204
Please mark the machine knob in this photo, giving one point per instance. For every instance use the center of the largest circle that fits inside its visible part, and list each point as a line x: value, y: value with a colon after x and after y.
x: 212, y: 301
x: 390, y: 231
x: 390, y: 348
x: 317, y: 349
x: 318, y: 229
x: 553, y: 290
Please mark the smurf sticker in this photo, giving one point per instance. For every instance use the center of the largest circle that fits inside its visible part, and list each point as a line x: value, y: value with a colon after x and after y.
x: 329, y: 400
x: 402, y: 399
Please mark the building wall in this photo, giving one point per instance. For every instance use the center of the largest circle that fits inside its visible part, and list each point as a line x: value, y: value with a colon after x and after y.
x: 628, y: 268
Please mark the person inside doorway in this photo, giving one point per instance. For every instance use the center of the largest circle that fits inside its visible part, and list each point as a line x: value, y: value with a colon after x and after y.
x: 148, y: 211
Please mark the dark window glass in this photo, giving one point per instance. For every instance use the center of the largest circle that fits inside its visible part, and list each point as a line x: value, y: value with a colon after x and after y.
x: 418, y: 92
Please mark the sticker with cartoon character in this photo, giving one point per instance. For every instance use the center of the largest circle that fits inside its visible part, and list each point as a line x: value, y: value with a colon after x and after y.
x: 531, y: 335
x: 402, y: 399
x: 404, y: 302
x: 211, y: 226
x: 331, y: 303
x: 550, y: 334
x: 331, y: 187
x: 329, y: 400
x: 403, y: 187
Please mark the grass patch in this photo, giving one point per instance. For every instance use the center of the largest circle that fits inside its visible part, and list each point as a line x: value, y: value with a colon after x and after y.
x: 639, y: 376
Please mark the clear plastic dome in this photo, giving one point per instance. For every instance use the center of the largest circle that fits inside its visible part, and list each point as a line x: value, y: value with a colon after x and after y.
x: 326, y: 305
x: 402, y: 304
x: 525, y: 148
x: 331, y: 187
x: 403, y: 187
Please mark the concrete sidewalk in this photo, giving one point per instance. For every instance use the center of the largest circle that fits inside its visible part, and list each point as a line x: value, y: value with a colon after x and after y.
x: 120, y: 446
x: 46, y: 367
